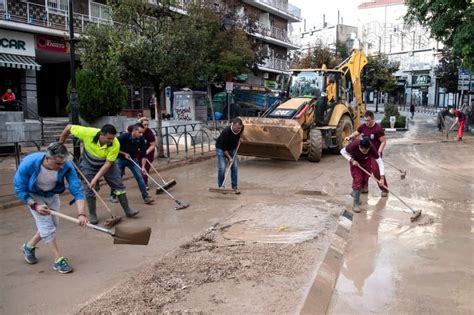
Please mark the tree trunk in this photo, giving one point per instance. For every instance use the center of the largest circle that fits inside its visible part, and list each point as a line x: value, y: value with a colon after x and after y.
x: 377, y: 102
x: 209, y: 95
x: 159, y: 133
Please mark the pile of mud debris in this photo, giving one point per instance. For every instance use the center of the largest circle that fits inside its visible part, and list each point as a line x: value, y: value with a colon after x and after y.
x: 211, y: 273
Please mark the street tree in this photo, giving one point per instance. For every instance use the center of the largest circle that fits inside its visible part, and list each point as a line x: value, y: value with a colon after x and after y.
x: 153, y: 45
x: 447, y: 71
x: 315, y: 57
x: 378, y: 74
x: 450, y: 22
x: 318, y: 55
x: 101, y: 95
x: 223, y: 44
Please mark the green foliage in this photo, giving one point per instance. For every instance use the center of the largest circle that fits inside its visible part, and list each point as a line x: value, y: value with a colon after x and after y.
x: 379, y: 73
x: 151, y: 44
x: 449, y: 22
x: 98, y: 96
x: 399, y: 123
x: 223, y: 53
x: 392, y: 110
x: 447, y: 71
x: 319, y: 55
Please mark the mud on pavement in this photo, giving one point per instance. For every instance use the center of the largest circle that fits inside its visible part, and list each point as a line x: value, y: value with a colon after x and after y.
x: 254, y: 262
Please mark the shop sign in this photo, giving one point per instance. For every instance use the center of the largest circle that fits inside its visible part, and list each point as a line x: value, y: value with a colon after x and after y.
x: 51, y: 43
x: 421, y: 79
x: 16, y: 43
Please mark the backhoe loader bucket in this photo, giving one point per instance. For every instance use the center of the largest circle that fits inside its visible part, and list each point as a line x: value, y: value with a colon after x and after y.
x: 271, y: 138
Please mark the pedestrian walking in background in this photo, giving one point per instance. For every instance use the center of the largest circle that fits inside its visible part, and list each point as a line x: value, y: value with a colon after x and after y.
x: 377, y: 138
x: 226, y: 146
x: 459, y: 118
x: 132, y: 144
x: 101, y: 149
x: 38, y: 182
x: 359, y: 153
x: 412, y: 110
x: 150, y: 144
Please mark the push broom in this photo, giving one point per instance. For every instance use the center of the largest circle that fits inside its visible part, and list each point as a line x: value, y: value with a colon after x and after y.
x: 403, y: 173
x: 179, y: 205
x: 222, y: 189
x: 165, y: 184
x: 416, y: 214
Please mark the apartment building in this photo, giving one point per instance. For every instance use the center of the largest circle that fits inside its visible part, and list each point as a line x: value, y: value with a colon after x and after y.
x: 34, y: 54
x: 272, y: 19
x: 384, y: 31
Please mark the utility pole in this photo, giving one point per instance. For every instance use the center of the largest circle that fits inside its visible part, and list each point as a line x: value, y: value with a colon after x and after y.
x: 72, y: 65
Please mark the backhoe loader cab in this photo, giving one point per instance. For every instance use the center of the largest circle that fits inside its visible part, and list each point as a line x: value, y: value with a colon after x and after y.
x: 316, y: 116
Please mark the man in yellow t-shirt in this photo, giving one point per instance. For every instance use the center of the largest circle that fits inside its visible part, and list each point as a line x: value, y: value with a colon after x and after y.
x: 101, y: 149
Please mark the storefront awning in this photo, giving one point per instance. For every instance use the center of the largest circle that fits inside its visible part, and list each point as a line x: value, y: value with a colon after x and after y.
x: 19, y: 62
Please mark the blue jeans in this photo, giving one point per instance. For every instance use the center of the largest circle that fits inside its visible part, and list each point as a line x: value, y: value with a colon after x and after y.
x: 136, y: 171
x: 221, y: 164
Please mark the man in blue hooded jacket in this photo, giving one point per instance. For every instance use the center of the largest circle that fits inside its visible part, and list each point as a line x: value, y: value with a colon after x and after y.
x: 38, y: 182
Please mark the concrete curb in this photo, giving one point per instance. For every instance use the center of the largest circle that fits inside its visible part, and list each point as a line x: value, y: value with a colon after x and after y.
x: 319, y: 295
x: 14, y: 202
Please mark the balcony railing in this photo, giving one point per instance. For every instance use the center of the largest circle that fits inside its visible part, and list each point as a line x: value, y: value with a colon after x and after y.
x: 284, y: 6
x: 276, y: 64
x: 271, y: 31
x: 39, y: 15
x: 100, y: 12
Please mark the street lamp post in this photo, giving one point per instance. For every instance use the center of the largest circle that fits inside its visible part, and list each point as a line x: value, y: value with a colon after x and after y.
x: 72, y: 65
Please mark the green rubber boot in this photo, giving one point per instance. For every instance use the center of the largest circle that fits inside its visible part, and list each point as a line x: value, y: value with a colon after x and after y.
x: 356, y: 203
x: 91, y: 205
x: 122, y: 198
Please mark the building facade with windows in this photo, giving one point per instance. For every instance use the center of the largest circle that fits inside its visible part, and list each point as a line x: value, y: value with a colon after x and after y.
x: 384, y: 31
x: 38, y: 69
x: 38, y: 72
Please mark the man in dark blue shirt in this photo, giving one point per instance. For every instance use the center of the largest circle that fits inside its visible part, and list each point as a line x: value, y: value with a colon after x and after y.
x: 226, y: 151
x: 132, y: 143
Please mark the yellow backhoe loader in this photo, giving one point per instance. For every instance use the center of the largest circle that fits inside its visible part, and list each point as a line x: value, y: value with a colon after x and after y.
x: 316, y: 116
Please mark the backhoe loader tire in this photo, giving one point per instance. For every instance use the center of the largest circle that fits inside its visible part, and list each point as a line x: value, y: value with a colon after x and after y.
x: 315, y: 145
x: 344, y: 129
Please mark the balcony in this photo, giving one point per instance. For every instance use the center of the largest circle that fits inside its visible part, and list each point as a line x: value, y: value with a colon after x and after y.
x: 32, y: 14
x: 279, y: 8
x: 270, y: 34
x: 277, y: 65
x: 101, y: 12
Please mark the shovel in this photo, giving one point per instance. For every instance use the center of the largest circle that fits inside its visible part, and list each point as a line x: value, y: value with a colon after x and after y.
x: 165, y: 184
x: 403, y: 173
x: 416, y: 214
x: 122, y: 235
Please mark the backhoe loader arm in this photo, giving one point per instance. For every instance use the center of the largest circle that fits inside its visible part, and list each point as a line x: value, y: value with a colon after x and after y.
x: 354, y: 65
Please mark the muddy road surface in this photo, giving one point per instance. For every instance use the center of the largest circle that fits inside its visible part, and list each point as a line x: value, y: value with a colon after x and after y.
x: 394, y: 267
x: 259, y: 252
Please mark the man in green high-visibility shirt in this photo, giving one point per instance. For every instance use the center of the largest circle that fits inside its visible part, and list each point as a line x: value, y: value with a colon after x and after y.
x: 101, y: 149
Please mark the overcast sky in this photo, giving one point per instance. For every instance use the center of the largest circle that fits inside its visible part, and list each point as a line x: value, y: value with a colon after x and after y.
x: 313, y: 10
